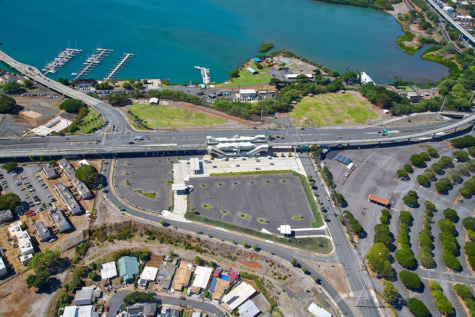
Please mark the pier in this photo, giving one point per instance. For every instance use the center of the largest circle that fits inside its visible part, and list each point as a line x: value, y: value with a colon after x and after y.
x: 204, y: 74
x: 92, y: 62
x: 118, y: 66
x: 63, y: 58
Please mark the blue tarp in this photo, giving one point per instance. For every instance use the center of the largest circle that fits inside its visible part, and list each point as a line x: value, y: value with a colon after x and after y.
x: 257, y: 59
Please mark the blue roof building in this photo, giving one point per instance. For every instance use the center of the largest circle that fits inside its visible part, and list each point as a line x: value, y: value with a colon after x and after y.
x: 128, y: 266
x: 257, y: 59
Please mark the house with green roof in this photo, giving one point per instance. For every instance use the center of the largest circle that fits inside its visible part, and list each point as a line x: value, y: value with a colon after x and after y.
x: 128, y: 267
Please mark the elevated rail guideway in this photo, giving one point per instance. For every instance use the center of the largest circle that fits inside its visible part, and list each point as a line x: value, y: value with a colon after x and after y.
x: 118, y: 142
x: 452, y: 21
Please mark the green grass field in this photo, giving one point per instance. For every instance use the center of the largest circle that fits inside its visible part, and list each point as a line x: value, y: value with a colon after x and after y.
x: 90, y: 121
x: 245, y: 78
x: 404, y: 88
x: 332, y: 108
x: 149, y: 195
x: 169, y: 116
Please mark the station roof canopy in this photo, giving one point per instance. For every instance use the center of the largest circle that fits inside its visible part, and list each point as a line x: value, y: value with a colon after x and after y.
x: 378, y: 199
x: 285, y: 229
x: 195, y: 164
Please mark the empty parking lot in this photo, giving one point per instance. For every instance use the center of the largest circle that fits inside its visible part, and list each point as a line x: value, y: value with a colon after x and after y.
x: 258, y: 202
x: 142, y: 181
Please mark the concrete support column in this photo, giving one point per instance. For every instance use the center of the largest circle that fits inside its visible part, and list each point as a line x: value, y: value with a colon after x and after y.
x: 455, y: 130
x: 408, y: 140
x: 433, y: 136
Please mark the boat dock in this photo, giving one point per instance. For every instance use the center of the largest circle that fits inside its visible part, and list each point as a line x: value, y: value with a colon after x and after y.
x: 92, y: 61
x: 204, y: 74
x: 118, y: 66
x: 63, y: 58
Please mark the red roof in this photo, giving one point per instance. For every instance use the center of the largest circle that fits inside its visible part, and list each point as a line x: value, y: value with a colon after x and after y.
x: 378, y: 199
x: 232, y: 276
x: 216, y: 273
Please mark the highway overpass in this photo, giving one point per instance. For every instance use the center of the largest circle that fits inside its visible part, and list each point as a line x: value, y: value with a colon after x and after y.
x: 452, y: 21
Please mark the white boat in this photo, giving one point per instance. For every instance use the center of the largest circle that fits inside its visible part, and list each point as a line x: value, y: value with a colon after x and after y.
x: 74, y: 74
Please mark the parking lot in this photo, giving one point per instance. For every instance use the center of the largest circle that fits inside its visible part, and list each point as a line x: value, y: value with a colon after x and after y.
x: 253, y: 201
x: 33, y: 192
x: 135, y: 177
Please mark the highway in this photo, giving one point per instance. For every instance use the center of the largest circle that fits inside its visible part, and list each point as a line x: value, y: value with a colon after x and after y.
x: 454, y: 24
x: 117, y: 141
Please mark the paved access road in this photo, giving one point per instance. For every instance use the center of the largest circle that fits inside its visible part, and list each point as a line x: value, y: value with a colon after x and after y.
x: 116, y: 301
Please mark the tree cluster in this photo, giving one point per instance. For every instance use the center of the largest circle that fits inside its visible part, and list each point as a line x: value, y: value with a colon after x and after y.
x: 355, y: 225
x: 385, y: 216
x: 410, y: 199
x: 404, y: 255
x: 411, y: 280
x: 43, y: 264
x: 449, y: 244
x: 378, y: 258
x: 441, y: 301
x: 9, y: 201
x: 87, y: 174
x: 467, y: 296
x: 72, y: 105
x: 463, y: 142
x: 7, y: 104
x: 418, y: 308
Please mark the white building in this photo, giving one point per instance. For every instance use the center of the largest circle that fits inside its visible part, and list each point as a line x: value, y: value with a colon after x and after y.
x: 108, y: 270
x: 202, y: 276
x: 247, y: 93
x: 42, y: 231
x: 57, y: 216
x: 25, y: 245
x: 153, y: 101
x: 24, y: 259
x: 49, y: 171
x: 294, y: 76
x: 23, y: 240
x: 248, y: 309
x: 149, y: 274
x: 67, y: 198
x: 238, y: 295
x: 317, y: 311
x: 195, y: 165
x: 448, y: 9
x: 3, y: 268
x: 80, y: 311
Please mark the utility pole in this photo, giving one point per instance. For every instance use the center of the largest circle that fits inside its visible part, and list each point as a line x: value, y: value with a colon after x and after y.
x: 262, y: 112
x: 442, y: 107
x: 155, y: 108
x: 369, y: 116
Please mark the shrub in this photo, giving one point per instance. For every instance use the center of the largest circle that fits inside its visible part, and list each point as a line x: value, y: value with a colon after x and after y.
x: 463, y: 291
x: 385, y: 216
x: 417, y: 160
x: 446, y: 226
x: 402, y: 173
x: 460, y: 155
x: 450, y: 214
x: 423, y: 180
x: 411, y: 280
x: 418, y: 308
x: 405, y: 217
x: 403, y: 237
x: 408, y: 168
x: 433, y: 285
x: 405, y: 257
x: 378, y: 259
x: 10, y: 166
x: 470, y: 248
x: 451, y: 261
x: 432, y: 152
x: 469, y: 223
x: 426, y: 259
x: 354, y: 224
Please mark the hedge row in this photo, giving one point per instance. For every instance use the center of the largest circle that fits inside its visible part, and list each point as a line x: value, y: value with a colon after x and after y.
x: 449, y: 244
x: 441, y: 302
x: 354, y: 224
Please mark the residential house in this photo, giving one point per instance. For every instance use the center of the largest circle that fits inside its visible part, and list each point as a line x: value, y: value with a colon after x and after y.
x: 149, y: 274
x: 248, y: 309
x: 82, y: 311
x: 84, y: 296
x: 169, y: 312
x: 238, y: 295
x: 201, y: 280
x: 165, y: 275
x: 108, y: 270
x: 128, y: 267
x: 182, y: 276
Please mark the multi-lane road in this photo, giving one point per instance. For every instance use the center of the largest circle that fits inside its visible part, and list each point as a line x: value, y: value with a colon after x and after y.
x: 117, y: 142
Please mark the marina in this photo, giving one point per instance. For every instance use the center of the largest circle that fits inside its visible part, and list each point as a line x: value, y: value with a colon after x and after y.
x: 92, y: 61
x: 63, y: 58
x: 204, y: 74
x: 118, y: 66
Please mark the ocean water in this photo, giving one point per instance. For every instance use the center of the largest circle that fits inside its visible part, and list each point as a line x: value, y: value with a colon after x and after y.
x: 170, y: 37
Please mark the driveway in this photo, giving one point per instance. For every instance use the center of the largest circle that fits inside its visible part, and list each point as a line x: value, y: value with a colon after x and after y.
x: 118, y: 299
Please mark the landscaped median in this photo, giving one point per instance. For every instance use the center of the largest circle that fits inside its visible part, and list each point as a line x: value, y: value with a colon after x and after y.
x: 316, y: 244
